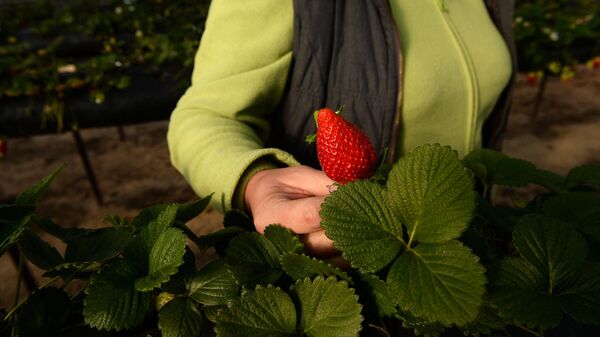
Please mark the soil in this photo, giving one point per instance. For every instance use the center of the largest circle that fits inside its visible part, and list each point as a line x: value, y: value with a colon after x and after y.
x: 135, y: 172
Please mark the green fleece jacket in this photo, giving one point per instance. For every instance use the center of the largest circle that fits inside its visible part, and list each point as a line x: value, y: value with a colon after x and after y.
x: 455, y: 67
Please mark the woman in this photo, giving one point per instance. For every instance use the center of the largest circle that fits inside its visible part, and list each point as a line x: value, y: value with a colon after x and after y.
x: 408, y: 72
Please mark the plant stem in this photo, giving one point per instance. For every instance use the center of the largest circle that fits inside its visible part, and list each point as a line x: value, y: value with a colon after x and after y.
x: 538, y: 100
x: 19, y: 272
x: 52, y: 280
x: 381, y: 329
x: 189, y: 233
x: 526, y: 329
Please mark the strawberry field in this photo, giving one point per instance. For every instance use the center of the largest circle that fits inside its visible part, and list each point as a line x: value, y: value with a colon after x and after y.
x: 130, y: 185
x: 495, y: 244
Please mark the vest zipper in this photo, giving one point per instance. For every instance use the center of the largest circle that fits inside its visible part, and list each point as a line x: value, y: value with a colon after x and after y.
x: 472, y: 78
x: 393, y: 146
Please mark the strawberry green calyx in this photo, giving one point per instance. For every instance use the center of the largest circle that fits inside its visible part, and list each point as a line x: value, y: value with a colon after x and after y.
x: 311, y: 138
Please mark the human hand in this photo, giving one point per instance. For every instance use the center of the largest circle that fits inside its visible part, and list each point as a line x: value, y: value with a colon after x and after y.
x: 291, y: 197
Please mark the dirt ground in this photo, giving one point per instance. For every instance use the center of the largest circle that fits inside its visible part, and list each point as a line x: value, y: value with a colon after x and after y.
x: 136, y: 173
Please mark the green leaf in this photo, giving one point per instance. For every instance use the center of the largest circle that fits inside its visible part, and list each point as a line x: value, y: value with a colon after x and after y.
x: 39, y: 252
x: 582, y: 298
x: 13, y: 222
x: 273, y: 315
x: 328, y: 308
x: 439, y: 282
x: 99, y: 245
x: 158, y: 225
x: 158, y: 216
x: 236, y: 218
x: 580, y: 209
x: 179, y: 283
x: 73, y: 269
x: 487, y: 320
x: 112, y: 302
x: 138, y: 250
x: 284, y: 240
x: 212, y: 312
x: 33, y: 194
x: 299, y: 267
x: 375, y: 292
x: 219, y: 239
x: 253, y: 260
x: 519, y: 292
x: 165, y: 257
x: 432, y: 194
x: 44, y: 313
x: 148, y: 215
x: 584, y: 175
x: 493, y: 167
x: 358, y: 219
x: 555, y: 248
x: 119, y: 223
x: 552, y: 181
x: 499, y: 217
x: 187, y: 212
x: 213, y: 285
x: 420, y: 326
x: 182, y: 318
x: 64, y: 234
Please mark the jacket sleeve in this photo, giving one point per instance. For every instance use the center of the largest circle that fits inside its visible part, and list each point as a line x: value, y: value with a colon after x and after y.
x: 218, y: 128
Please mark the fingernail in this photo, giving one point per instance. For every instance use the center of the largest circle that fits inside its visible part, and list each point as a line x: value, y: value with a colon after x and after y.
x: 332, y: 188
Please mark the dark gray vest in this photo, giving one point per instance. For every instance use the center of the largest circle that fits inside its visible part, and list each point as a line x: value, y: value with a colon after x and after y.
x: 347, y: 52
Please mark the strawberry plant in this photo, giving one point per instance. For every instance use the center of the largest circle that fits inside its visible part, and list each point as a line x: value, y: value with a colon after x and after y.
x: 553, y: 36
x: 429, y: 256
x: 51, y: 51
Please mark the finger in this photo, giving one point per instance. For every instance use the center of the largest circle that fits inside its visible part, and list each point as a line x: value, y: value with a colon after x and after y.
x: 317, y: 244
x: 338, y: 261
x: 299, y: 215
x: 312, y: 181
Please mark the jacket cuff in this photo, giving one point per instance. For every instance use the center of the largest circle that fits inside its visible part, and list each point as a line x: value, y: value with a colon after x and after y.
x: 260, y: 164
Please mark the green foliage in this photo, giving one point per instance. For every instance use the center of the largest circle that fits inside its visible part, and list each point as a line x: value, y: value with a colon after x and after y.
x: 554, y: 35
x: 112, y: 302
x: 213, y: 285
x: 275, y: 315
x: 327, y: 308
x: 181, y: 318
x: 553, y: 254
x: 50, y: 50
x: 429, y: 196
x: 439, y: 282
x: 44, y: 313
x: 299, y: 267
x: 254, y: 260
x: 423, y: 245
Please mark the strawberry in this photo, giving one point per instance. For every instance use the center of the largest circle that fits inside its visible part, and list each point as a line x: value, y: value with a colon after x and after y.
x: 344, y: 151
x: 532, y: 78
x: 2, y: 147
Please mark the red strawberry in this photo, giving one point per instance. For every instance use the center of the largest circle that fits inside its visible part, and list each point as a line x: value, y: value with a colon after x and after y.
x: 2, y: 147
x: 532, y: 78
x: 344, y: 151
